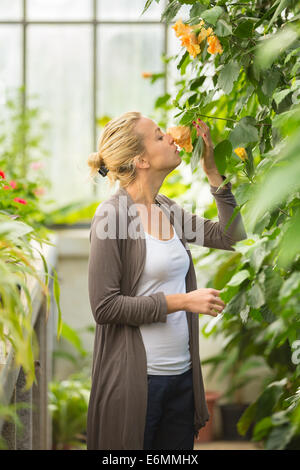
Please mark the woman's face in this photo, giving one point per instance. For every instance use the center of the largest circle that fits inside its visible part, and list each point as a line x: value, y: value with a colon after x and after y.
x: 161, y: 151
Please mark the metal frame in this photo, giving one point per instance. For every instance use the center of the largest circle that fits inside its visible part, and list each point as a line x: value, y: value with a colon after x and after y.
x: 93, y: 22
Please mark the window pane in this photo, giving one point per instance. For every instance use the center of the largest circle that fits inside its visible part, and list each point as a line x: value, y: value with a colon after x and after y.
x: 10, y: 59
x: 124, y: 53
x: 129, y: 10
x: 10, y: 10
x: 59, y: 72
x: 59, y: 9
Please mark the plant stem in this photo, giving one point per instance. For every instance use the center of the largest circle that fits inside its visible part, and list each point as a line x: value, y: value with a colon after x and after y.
x: 284, y: 212
x: 230, y: 119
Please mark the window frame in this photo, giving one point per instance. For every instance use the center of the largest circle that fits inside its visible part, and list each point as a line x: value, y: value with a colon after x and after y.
x: 95, y: 23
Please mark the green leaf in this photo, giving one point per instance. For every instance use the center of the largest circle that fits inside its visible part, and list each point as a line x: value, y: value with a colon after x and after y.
x: 258, y: 255
x: 280, y: 95
x: 265, y: 197
x: 228, y: 75
x: 197, y: 82
x: 243, y: 193
x: 197, y: 153
x: 274, y: 45
x: 185, y: 97
x: 267, y: 314
x: 289, y: 245
x: 256, y: 315
x: 246, y: 419
x: 270, y: 396
x: 280, y: 436
x: 273, y: 282
x: 239, y: 277
x: 290, y: 286
x: 270, y: 82
x: 262, y: 428
x: 72, y: 336
x: 222, y: 28
x: 282, y: 4
x: 235, y: 305
x: 222, y: 151
x: 243, y: 133
x: 196, y: 10
x: 212, y: 15
x: 292, y: 54
x: 255, y: 296
x: 161, y: 100
x: 171, y: 11
x: 262, y: 223
x: 147, y: 5
x: 185, y: 54
x: 244, y: 29
x: 14, y: 229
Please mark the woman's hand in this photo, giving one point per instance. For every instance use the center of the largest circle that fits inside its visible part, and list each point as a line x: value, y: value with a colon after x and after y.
x: 208, y: 161
x: 206, y: 301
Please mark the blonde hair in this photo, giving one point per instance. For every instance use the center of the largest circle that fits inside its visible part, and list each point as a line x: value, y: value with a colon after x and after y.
x: 119, y: 143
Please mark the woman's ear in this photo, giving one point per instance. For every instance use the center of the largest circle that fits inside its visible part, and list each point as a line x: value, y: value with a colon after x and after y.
x: 141, y: 162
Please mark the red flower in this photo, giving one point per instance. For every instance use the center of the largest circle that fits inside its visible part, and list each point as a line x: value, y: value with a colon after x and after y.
x: 13, y: 184
x: 20, y: 201
x: 6, y: 187
x: 2, y: 174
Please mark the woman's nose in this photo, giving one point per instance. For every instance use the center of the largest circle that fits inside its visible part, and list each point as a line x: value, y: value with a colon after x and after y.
x: 171, y: 139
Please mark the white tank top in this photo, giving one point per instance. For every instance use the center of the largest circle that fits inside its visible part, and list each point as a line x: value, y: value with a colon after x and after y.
x: 166, y: 344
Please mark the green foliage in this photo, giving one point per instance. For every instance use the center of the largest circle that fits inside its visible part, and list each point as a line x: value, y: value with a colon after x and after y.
x: 68, y: 404
x: 22, y: 231
x: 249, y: 96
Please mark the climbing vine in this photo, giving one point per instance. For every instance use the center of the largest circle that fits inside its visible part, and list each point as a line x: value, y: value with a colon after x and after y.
x: 239, y: 67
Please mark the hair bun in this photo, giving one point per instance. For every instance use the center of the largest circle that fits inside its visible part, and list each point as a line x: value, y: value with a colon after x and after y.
x: 94, y: 160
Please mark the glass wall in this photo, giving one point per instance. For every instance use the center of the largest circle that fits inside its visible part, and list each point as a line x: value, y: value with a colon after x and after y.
x: 51, y: 10
x: 124, y: 52
x: 58, y: 70
x: 83, y: 59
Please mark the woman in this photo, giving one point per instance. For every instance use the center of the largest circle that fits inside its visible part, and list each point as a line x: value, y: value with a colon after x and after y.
x: 147, y: 389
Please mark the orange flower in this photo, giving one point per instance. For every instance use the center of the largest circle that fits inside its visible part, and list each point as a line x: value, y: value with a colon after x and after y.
x: 241, y: 152
x: 214, y: 45
x: 191, y: 39
x: 146, y: 74
x: 182, y: 137
x: 188, y: 37
x: 190, y: 42
x: 204, y: 33
x: 181, y: 28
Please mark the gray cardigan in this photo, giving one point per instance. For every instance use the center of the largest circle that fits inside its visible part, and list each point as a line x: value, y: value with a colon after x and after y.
x: 118, y: 400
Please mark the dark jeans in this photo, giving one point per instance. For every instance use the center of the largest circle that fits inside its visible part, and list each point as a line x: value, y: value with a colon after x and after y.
x: 170, y: 412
